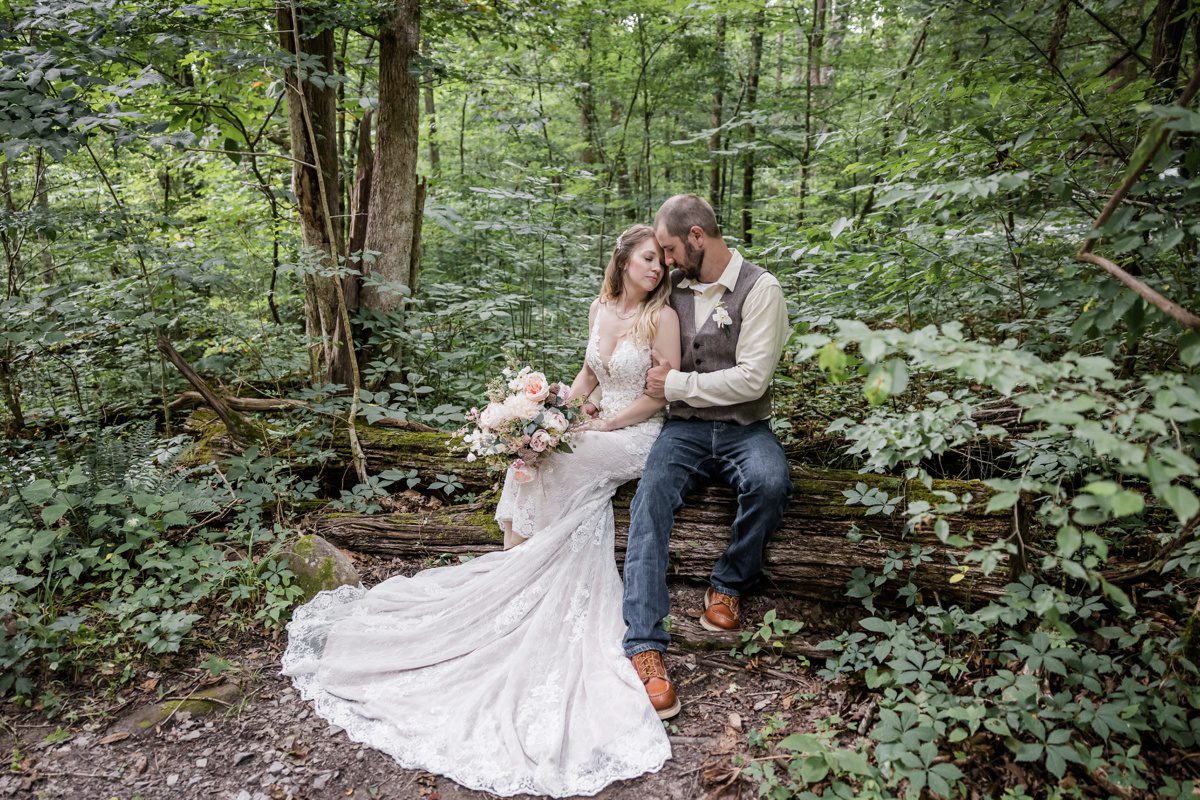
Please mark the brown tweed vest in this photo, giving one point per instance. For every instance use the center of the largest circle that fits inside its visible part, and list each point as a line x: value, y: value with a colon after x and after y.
x: 708, y: 348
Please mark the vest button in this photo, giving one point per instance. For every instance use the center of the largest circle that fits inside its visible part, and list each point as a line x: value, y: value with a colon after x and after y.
x: 699, y: 361
x: 696, y: 345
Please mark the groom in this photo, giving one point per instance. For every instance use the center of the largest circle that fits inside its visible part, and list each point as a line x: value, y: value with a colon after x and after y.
x: 733, y: 325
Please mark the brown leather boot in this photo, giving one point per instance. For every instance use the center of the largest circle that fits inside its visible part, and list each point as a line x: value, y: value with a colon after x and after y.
x: 721, y: 611
x: 653, y: 672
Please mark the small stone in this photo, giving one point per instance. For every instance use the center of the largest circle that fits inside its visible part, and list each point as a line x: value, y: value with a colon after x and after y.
x: 172, y: 779
x: 276, y: 767
x: 303, y: 714
x: 360, y: 755
x: 289, y: 743
x: 242, y: 756
x: 321, y: 780
x: 334, y: 730
x: 318, y: 565
x: 201, y: 762
x: 242, y: 795
x: 190, y: 736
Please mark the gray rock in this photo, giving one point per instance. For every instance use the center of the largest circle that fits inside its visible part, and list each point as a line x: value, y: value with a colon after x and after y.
x: 238, y: 758
x: 321, y: 781
x: 318, y: 565
x: 172, y: 779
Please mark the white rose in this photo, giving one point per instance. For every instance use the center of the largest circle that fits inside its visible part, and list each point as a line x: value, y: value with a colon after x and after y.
x: 493, y: 416
x: 521, y: 407
x: 554, y: 421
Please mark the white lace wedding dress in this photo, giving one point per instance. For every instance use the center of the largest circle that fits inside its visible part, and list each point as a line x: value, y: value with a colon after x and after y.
x: 504, y: 673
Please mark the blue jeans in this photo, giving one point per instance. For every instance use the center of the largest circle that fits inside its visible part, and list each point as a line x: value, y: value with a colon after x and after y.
x: 688, y: 453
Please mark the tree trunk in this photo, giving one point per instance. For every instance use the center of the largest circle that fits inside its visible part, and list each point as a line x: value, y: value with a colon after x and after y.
x: 592, y: 147
x: 810, y: 555
x: 718, y: 99
x: 1170, y: 27
x: 816, y: 42
x: 414, y: 265
x: 1058, y: 30
x: 364, y: 166
x: 42, y: 200
x: 435, y: 158
x: 620, y: 167
x: 756, y: 42
x: 315, y: 172
x: 391, y: 224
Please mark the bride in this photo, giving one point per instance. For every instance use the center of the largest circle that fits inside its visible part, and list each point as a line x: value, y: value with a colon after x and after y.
x: 506, y: 673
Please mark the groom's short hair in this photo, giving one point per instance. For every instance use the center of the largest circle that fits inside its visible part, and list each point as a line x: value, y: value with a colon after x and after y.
x: 683, y: 211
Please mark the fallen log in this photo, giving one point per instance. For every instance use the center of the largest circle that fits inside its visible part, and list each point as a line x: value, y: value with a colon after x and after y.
x: 388, y: 444
x: 820, y: 544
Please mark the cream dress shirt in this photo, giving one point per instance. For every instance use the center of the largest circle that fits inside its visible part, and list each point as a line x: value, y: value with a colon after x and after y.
x: 765, y: 330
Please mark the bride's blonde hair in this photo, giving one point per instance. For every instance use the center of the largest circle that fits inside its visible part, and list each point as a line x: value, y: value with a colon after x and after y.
x: 645, y: 327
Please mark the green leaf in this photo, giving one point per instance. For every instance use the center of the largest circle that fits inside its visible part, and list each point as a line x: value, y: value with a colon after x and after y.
x: 1189, y: 348
x: 1001, y: 501
x: 52, y: 514
x: 1126, y: 502
x: 803, y: 743
x: 1181, y: 500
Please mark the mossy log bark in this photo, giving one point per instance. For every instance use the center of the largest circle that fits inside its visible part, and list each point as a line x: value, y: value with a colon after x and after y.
x: 431, y: 453
x: 811, y: 555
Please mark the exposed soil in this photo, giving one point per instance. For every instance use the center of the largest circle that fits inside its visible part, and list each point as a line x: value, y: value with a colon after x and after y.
x: 253, y: 738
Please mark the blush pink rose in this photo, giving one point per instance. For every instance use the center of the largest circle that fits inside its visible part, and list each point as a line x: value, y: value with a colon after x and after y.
x: 541, y: 441
x: 536, y: 387
x: 522, y: 472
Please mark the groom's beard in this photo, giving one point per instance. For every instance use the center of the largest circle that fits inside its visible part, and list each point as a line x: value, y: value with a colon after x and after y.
x: 693, y: 262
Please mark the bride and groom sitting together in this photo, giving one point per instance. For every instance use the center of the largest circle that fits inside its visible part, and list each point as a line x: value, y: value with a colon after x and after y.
x: 535, y: 669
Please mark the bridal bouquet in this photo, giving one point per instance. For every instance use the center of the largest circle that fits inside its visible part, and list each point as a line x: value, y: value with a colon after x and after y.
x: 525, y: 417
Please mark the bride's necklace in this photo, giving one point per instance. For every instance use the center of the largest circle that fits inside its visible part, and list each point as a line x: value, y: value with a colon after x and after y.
x: 630, y: 315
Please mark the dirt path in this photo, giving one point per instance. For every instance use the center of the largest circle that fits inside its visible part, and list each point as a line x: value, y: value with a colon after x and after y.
x: 257, y: 740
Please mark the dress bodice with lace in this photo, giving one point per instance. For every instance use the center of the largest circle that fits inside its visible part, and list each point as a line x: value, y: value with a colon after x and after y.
x: 504, y: 673
x: 623, y: 376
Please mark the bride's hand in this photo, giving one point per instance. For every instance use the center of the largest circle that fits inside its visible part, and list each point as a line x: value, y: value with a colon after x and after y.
x: 590, y: 409
x: 598, y: 424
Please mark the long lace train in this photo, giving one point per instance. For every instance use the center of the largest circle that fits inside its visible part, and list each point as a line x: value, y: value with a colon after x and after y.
x: 504, y: 673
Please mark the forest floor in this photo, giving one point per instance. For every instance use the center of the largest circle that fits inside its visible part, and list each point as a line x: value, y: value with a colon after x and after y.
x: 257, y: 740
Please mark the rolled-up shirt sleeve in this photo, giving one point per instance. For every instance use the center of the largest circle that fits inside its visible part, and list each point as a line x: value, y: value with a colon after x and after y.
x: 763, y: 335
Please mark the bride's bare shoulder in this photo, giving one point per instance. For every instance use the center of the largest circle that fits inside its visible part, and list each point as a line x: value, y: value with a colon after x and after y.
x: 667, y: 316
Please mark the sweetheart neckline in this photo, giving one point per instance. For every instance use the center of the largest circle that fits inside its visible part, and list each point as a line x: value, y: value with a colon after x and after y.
x: 604, y: 363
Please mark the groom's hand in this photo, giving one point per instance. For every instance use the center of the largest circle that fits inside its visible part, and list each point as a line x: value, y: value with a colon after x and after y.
x: 656, y: 377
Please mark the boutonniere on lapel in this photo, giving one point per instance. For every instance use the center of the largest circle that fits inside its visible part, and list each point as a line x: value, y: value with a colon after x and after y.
x: 721, y: 318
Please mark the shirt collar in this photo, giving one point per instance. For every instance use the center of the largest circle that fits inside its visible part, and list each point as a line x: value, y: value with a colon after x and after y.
x: 728, y: 278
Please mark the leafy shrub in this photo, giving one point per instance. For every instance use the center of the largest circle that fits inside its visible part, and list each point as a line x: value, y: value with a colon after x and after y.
x: 111, y: 559
x: 1067, y: 675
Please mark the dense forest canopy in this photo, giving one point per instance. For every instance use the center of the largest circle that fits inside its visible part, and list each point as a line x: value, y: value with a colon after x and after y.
x: 984, y: 215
